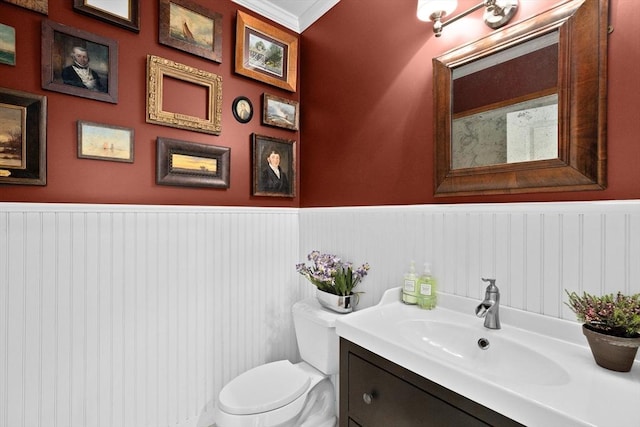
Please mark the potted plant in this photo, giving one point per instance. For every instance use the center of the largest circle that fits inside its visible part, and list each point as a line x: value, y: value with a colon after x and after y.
x: 334, y: 280
x: 611, y: 326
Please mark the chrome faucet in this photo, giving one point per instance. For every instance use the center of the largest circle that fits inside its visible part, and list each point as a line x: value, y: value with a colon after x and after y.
x: 489, y: 308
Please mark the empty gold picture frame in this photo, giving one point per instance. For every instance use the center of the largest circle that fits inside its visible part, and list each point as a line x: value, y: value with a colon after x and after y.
x: 158, y: 69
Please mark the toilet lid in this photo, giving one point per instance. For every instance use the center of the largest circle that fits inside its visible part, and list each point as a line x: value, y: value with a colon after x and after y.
x: 263, y: 388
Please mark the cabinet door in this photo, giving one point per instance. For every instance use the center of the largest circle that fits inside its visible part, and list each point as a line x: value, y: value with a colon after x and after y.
x: 379, y: 398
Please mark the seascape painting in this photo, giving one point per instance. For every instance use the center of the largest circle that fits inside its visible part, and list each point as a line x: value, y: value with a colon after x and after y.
x: 105, y: 142
x: 191, y: 27
x: 7, y: 45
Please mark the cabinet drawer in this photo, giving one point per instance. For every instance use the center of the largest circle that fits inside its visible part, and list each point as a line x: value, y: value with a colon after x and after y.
x: 392, y: 401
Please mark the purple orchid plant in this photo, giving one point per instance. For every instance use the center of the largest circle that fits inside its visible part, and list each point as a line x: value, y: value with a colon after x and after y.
x: 330, y: 274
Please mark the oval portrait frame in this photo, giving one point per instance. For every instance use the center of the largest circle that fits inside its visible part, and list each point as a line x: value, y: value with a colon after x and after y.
x: 242, y: 109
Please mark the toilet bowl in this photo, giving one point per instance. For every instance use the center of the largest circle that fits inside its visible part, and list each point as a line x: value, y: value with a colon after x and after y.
x: 283, y: 394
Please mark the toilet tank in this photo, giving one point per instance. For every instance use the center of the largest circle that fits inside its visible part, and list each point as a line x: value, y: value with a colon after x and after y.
x: 316, y: 335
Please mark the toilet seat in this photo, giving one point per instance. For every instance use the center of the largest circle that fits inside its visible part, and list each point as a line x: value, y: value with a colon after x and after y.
x: 264, y: 388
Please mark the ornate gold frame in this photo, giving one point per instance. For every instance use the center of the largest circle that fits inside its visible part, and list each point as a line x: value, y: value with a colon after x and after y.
x: 157, y: 69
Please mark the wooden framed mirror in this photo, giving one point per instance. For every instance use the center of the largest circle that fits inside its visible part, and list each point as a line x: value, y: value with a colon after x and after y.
x: 496, y: 101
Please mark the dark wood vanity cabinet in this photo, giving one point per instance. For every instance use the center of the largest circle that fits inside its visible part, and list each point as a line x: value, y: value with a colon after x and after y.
x: 375, y: 392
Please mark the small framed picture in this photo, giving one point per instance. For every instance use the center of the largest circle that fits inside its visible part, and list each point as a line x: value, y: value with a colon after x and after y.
x: 40, y: 6
x: 197, y: 101
x: 190, y: 164
x: 274, y: 166
x: 105, y: 142
x: 79, y: 63
x: 242, y: 109
x: 7, y: 45
x: 266, y: 53
x: 280, y: 112
x: 123, y: 13
x: 23, y: 138
x: 187, y: 26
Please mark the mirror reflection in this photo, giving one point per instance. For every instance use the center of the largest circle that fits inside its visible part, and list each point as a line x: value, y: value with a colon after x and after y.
x: 505, y: 106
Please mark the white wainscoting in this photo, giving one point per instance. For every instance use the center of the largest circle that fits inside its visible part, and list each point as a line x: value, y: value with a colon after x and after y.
x: 138, y: 315
x: 535, y: 251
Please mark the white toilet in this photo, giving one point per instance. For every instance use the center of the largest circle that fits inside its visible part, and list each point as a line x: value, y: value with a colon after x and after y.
x: 284, y: 394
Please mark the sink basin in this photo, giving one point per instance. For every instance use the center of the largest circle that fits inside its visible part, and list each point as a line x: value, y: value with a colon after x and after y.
x: 481, y: 351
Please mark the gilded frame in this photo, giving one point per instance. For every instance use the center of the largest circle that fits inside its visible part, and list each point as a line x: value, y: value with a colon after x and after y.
x: 26, y: 115
x: 250, y: 31
x: 190, y: 164
x: 203, y: 21
x: 107, y: 11
x: 157, y: 69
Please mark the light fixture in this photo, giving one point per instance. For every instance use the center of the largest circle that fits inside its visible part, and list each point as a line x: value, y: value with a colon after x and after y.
x: 497, y: 12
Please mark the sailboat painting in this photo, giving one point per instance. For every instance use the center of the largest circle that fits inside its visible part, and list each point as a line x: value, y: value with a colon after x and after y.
x: 190, y: 27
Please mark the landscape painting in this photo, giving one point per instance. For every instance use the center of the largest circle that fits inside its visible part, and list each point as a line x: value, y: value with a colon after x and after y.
x: 12, y: 136
x: 105, y: 142
x: 7, y: 45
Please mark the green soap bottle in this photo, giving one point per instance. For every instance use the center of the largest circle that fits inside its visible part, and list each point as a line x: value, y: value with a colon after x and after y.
x: 426, y: 287
x: 410, y: 288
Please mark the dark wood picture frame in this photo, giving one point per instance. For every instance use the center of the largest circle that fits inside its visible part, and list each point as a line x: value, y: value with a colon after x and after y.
x: 24, y: 118
x: 280, y: 112
x: 191, y: 164
x: 242, y: 109
x: 59, y: 42
x: 159, y: 68
x: 265, y: 182
x: 101, y: 11
x: 192, y: 28
x: 255, y: 63
x: 100, y: 141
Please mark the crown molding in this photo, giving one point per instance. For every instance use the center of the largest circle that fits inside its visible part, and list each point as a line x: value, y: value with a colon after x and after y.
x: 272, y: 11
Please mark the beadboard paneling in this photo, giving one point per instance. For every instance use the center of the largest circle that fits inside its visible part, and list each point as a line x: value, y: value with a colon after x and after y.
x: 137, y: 316
x: 534, y: 250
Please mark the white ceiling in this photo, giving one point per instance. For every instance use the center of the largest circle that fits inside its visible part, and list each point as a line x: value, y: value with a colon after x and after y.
x: 296, y: 15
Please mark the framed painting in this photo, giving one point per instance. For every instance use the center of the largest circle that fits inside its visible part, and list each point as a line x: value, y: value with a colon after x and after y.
x: 266, y: 53
x: 7, y: 45
x: 190, y: 164
x: 23, y: 138
x: 40, y: 6
x: 274, y: 165
x: 187, y: 26
x: 242, y: 109
x: 197, y: 96
x: 105, y: 142
x: 280, y: 112
x: 123, y: 13
x: 79, y: 63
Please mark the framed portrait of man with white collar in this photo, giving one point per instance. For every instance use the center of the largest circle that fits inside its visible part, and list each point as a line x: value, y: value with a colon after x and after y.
x: 79, y: 63
x: 274, y: 166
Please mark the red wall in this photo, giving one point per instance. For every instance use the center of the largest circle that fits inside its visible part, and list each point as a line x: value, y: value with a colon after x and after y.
x: 74, y: 180
x: 368, y: 116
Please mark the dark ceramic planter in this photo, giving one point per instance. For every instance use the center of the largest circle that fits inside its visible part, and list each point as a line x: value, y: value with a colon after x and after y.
x: 614, y: 353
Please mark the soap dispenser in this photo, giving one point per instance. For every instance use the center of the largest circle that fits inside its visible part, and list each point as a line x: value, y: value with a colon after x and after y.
x: 427, y: 297
x: 410, y: 289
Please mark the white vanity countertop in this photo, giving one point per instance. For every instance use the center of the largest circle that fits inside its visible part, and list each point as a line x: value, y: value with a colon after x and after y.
x: 590, y: 396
